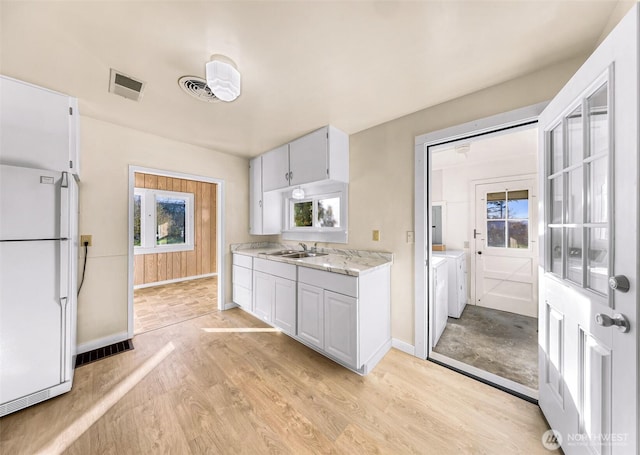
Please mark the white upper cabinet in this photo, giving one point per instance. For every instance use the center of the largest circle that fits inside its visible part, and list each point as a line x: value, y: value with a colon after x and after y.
x: 308, y: 158
x: 275, y: 169
x: 265, y: 209
x: 38, y: 127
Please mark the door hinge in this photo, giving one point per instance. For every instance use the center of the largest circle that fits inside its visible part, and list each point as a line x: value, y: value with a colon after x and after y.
x: 70, y: 111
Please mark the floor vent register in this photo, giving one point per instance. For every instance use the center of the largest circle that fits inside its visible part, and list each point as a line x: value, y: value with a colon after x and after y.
x: 101, y: 353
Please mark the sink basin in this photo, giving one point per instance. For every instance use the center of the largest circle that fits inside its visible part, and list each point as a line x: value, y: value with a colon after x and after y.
x: 303, y: 254
x: 282, y: 252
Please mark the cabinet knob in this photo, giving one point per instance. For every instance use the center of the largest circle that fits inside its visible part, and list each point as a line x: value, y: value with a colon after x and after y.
x: 286, y: 176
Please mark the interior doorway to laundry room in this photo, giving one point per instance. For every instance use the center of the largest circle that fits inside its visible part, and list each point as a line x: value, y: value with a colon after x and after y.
x: 483, y: 272
x: 175, y: 248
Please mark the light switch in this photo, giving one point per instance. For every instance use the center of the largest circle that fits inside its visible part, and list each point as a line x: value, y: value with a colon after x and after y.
x: 376, y: 235
x: 410, y: 237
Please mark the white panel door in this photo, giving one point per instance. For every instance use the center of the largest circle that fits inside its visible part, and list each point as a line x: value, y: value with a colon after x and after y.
x: 275, y: 169
x: 505, y: 247
x: 341, y: 327
x: 308, y: 158
x: 263, y: 295
x: 31, y: 317
x: 284, y: 310
x: 589, y: 232
x: 311, y: 314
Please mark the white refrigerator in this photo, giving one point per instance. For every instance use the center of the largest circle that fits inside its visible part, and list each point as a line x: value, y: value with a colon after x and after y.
x: 38, y: 254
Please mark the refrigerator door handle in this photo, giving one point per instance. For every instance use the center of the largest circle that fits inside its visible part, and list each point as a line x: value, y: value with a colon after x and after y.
x: 64, y: 325
x: 64, y: 206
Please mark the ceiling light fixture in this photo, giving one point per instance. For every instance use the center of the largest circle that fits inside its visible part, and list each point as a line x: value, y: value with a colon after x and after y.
x: 297, y: 193
x: 223, y: 78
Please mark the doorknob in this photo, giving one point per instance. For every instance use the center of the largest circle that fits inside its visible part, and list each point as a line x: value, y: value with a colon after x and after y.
x: 618, y: 320
x: 619, y: 283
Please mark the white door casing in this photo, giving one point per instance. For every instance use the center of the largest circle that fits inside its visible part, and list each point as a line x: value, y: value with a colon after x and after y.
x: 505, y: 238
x: 588, y: 232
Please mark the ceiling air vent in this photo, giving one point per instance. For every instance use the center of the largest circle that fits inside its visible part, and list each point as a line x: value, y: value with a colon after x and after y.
x: 123, y: 85
x: 197, y: 88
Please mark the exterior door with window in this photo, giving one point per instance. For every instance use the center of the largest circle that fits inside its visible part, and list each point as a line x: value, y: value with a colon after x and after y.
x: 588, y: 320
x: 505, y: 253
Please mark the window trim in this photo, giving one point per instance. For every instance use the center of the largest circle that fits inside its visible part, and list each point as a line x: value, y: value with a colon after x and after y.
x: 148, y: 221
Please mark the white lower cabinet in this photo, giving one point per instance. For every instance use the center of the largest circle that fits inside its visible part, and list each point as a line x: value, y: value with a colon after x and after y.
x: 242, y: 281
x: 274, y: 290
x: 341, y: 327
x: 311, y: 314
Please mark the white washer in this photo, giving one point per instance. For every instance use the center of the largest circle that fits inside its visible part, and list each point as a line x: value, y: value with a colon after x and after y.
x: 457, y: 280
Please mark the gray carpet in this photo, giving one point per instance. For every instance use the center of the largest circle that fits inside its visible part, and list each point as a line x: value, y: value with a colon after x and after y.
x: 499, y: 342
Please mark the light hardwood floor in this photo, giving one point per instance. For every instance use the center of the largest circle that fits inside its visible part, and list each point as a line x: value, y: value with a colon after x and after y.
x: 160, y: 306
x: 254, y: 393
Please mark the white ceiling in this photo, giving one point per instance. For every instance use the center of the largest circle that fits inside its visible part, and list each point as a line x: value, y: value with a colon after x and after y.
x: 304, y: 64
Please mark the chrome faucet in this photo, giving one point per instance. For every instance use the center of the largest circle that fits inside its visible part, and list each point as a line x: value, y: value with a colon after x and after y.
x: 304, y: 247
x: 314, y: 248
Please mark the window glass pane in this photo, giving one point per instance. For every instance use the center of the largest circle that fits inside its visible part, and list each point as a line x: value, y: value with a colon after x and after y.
x: 555, y: 142
x: 556, y: 200
x: 597, y: 261
x: 574, y: 255
x: 329, y: 212
x: 137, y: 223
x: 598, y: 190
x: 518, y: 234
x: 496, y: 234
x: 598, y: 121
x: 170, y: 218
x: 303, y: 214
x: 556, y: 251
x: 575, y: 152
x: 574, y: 199
x: 518, y: 204
x: 496, y: 208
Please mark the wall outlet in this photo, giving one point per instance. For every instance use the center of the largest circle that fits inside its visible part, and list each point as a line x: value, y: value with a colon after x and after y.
x: 376, y: 235
x: 410, y: 237
x: 85, y: 238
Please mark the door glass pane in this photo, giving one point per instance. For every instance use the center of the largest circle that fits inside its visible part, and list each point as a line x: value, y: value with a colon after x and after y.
x: 598, y: 260
x: 137, y: 208
x: 555, y: 142
x: 303, y: 214
x: 170, y: 219
x: 574, y: 255
x: 574, y: 198
x: 598, y: 190
x: 496, y: 208
x: 575, y: 153
x: 556, y: 250
x: 329, y: 212
x: 518, y: 205
x: 556, y: 200
x: 519, y: 234
x: 598, y: 121
x: 496, y: 234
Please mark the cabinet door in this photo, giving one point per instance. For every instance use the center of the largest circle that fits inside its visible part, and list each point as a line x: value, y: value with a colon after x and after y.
x: 308, y: 158
x: 34, y: 126
x: 263, y: 295
x: 341, y: 327
x: 255, y: 196
x: 311, y: 314
x: 284, y: 310
x: 275, y: 169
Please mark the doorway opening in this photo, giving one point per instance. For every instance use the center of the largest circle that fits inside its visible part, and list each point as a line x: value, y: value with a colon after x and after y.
x: 481, y: 254
x: 175, y: 248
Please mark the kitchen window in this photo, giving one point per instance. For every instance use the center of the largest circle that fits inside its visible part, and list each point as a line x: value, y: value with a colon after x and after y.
x: 162, y: 221
x: 317, y: 217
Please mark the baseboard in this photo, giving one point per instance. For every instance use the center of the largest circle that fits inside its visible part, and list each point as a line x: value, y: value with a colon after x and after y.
x: 102, y: 342
x: 176, y: 280
x: 403, y: 346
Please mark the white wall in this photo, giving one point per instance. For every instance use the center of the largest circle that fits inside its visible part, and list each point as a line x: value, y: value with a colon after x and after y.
x: 107, y: 151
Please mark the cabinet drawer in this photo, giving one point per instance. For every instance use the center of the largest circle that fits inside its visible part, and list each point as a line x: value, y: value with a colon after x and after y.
x: 242, y: 276
x: 242, y: 296
x: 336, y: 282
x: 280, y: 269
x: 242, y: 260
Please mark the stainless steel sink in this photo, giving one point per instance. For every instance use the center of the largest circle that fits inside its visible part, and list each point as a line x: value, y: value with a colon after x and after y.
x: 303, y: 254
x: 282, y: 252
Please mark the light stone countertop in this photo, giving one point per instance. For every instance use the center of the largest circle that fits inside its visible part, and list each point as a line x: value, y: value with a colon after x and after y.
x: 346, y: 262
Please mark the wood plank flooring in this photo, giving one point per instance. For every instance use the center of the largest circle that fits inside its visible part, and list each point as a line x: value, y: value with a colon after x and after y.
x: 255, y: 393
x: 160, y: 306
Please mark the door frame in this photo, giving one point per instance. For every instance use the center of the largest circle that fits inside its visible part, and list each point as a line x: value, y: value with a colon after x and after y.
x: 493, y: 125
x: 220, y: 266
x: 534, y: 220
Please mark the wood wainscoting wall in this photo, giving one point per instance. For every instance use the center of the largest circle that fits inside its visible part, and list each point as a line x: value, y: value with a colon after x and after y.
x: 153, y: 268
